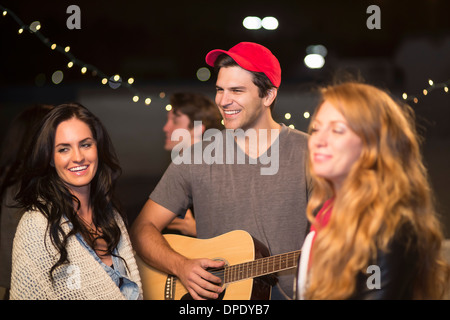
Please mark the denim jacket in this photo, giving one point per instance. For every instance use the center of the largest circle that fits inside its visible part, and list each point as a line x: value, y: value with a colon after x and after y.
x: 118, y: 273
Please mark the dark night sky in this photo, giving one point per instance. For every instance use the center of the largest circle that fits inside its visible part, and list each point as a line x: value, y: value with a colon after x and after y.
x: 165, y: 40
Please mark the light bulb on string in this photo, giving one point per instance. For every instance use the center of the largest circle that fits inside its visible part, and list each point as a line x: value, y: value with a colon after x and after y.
x: 35, y: 26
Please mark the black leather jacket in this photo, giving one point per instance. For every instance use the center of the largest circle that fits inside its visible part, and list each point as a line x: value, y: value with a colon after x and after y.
x: 397, y: 270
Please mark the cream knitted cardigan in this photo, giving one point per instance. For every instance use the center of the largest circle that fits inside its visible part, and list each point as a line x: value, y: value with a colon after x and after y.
x: 82, y: 279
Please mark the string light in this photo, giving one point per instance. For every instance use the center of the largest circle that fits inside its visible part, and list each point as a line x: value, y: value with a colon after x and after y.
x: 426, y: 91
x: 35, y: 28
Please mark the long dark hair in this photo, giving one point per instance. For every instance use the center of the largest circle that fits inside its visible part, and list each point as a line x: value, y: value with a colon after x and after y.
x: 42, y: 188
x: 16, y: 143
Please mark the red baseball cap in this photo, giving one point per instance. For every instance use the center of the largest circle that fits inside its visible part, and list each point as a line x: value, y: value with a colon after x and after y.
x: 252, y: 57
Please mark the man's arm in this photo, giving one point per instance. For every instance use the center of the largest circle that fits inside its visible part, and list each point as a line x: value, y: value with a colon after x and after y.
x: 156, y: 251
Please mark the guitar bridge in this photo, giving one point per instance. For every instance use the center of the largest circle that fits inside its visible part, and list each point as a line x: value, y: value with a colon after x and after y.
x: 169, y: 291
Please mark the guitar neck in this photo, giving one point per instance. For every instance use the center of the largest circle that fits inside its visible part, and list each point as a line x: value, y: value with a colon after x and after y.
x: 261, y: 267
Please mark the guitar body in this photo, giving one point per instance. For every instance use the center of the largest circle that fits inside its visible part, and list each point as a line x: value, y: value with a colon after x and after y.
x: 234, y: 247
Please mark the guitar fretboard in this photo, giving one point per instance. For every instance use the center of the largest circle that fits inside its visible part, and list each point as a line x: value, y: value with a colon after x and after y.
x: 261, y: 267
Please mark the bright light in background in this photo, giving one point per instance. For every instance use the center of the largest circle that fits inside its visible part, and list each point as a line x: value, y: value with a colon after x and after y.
x: 115, y: 81
x: 57, y: 77
x: 203, y: 74
x: 287, y: 116
x: 252, y: 23
x: 35, y: 26
x: 306, y: 115
x: 169, y: 107
x: 314, y: 61
x: 269, y: 23
x: 317, y: 49
x: 256, y: 23
x: 315, y: 56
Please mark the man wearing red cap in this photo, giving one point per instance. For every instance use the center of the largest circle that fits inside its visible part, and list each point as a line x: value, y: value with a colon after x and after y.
x: 271, y: 207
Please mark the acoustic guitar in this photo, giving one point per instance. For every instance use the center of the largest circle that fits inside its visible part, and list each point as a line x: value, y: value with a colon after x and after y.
x: 247, y: 274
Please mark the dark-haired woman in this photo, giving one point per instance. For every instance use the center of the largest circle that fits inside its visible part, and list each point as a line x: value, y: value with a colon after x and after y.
x: 72, y: 242
x: 15, y: 144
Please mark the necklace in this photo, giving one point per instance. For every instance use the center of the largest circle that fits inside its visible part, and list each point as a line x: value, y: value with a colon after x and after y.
x: 91, y: 225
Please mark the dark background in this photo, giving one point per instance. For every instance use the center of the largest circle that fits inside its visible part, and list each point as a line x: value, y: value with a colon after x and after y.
x: 162, y: 44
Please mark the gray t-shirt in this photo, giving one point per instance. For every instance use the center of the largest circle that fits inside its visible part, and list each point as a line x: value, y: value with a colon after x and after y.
x: 236, y: 196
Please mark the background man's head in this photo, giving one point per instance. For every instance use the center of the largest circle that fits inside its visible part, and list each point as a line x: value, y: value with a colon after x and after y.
x: 187, y: 108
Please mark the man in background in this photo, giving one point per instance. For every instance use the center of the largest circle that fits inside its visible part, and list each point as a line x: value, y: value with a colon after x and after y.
x: 187, y: 108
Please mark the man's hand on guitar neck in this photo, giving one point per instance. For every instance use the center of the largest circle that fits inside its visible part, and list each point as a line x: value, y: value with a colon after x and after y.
x: 200, y: 283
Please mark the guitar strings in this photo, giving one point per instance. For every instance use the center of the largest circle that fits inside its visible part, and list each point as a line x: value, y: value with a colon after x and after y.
x: 236, y: 272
